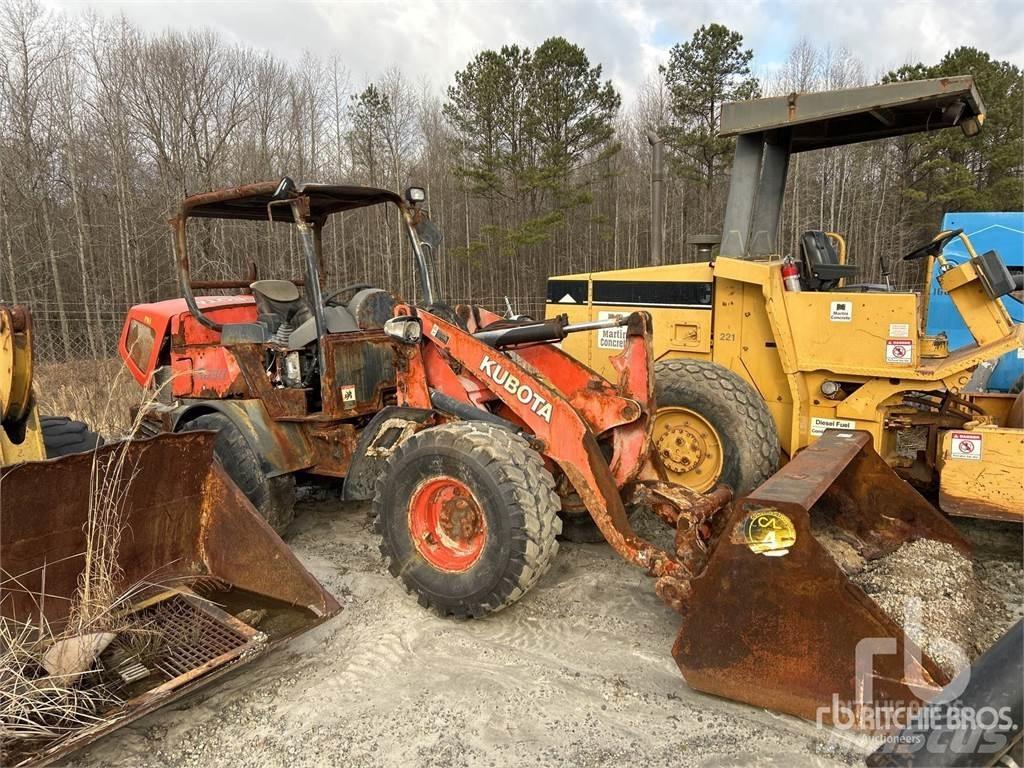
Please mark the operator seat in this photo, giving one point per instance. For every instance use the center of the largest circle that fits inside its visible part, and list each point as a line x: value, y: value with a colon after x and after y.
x: 820, y: 263
x: 368, y: 310
x: 279, y: 302
x: 371, y: 308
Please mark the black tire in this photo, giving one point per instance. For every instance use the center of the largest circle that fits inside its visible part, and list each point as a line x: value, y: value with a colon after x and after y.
x: 736, y: 411
x: 273, y: 497
x: 62, y: 436
x: 580, y: 528
x: 1017, y: 386
x: 515, y: 496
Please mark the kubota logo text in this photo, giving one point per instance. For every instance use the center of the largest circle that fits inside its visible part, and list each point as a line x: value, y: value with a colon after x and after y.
x: 523, y: 392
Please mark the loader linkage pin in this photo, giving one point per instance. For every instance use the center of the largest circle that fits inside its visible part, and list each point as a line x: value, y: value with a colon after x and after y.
x: 689, y: 513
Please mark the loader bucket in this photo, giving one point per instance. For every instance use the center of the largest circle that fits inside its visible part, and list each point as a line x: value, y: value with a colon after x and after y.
x: 793, y: 618
x: 199, y: 576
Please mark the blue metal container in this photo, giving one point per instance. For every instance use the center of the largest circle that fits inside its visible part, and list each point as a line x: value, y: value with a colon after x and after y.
x: 1000, y: 232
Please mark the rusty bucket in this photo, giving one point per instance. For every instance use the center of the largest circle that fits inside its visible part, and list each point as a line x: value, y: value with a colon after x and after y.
x: 775, y: 622
x: 197, y: 571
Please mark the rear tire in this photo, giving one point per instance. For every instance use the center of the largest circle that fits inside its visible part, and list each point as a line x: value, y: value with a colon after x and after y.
x: 62, y: 436
x: 580, y: 528
x: 467, y: 517
x: 273, y: 497
x: 699, y: 403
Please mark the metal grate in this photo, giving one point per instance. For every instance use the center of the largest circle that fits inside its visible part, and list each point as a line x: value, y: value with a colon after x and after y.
x: 191, y: 637
x: 910, y: 441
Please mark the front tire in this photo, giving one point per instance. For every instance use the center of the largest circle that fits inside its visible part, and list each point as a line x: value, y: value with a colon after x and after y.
x: 467, y: 517
x: 273, y: 497
x: 712, y: 427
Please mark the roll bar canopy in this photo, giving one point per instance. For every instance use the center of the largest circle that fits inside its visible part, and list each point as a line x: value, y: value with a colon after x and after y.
x: 306, y: 205
x: 250, y: 201
x: 769, y: 130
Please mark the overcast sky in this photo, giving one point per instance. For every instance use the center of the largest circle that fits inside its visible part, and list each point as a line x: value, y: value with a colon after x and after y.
x: 435, y: 38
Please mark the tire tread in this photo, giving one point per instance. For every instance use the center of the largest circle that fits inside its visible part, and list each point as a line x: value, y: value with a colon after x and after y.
x: 524, y: 481
x: 680, y: 380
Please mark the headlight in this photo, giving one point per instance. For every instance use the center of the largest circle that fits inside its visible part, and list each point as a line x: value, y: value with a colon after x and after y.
x: 415, y: 195
x: 405, y: 329
x: 972, y: 126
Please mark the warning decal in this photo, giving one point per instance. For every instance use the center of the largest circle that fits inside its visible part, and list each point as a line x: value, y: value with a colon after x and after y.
x: 899, y: 351
x: 966, y: 445
x: 348, y: 395
x: 611, y: 338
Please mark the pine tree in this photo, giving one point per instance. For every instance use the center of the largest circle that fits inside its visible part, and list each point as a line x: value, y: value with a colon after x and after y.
x: 947, y: 171
x: 711, y: 68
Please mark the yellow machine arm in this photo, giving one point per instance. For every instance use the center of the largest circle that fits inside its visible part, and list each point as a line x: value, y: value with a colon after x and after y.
x: 20, y: 436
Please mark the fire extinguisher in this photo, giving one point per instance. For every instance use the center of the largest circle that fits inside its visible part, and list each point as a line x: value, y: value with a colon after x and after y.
x: 791, y: 276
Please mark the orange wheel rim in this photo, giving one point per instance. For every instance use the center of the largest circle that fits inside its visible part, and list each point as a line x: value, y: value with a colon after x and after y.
x: 447, y: 525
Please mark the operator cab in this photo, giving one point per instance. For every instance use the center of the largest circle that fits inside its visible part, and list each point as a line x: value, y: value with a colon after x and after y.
x: 286, y: 317
x: 308, y: 350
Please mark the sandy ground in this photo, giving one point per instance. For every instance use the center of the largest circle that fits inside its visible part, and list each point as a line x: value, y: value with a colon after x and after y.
x: 576, y: 674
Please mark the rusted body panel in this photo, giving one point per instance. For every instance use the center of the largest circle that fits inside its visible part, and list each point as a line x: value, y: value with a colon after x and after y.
x: 360, y: 372
x: 285, y: 429
x: 171, y: 318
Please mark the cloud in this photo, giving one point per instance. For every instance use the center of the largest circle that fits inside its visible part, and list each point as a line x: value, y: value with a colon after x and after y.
x: 432, y: 39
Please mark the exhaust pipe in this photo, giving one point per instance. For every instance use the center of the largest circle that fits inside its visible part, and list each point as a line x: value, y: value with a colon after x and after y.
x: 657, y: 206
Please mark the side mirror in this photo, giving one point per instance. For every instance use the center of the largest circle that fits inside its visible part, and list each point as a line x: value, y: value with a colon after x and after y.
x: 414, y: 195
x: 407, y: 330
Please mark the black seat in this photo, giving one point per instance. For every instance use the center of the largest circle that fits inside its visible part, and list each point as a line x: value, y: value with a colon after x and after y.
x: 820, y: 264
x: 279, y: 302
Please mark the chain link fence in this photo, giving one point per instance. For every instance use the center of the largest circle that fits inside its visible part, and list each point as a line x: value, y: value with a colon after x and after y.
x: 76, y: 338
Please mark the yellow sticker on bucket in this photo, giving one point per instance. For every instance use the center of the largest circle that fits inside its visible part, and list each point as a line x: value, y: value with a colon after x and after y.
x: 769, y: 532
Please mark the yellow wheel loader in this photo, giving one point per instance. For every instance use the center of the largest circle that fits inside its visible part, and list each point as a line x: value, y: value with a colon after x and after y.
x: 760, y: 352
x: 130, y: 574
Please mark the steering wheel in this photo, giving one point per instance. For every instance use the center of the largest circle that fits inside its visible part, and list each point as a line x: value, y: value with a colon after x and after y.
x: 933, y: 248
x: 353, y: 287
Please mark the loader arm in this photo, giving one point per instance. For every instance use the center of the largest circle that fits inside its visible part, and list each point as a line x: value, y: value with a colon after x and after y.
x: 560, y: 431
x: 598, y: 401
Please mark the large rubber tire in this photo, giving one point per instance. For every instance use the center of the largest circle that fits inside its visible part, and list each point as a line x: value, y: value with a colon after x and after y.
x: 580, y: 528
x: 273, y: 497
x: 513, y: 493
x: 734, y: 409
x: 62, y: 436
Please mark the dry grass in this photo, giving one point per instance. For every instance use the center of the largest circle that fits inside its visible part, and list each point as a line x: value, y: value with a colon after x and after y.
x: 98, y: 392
